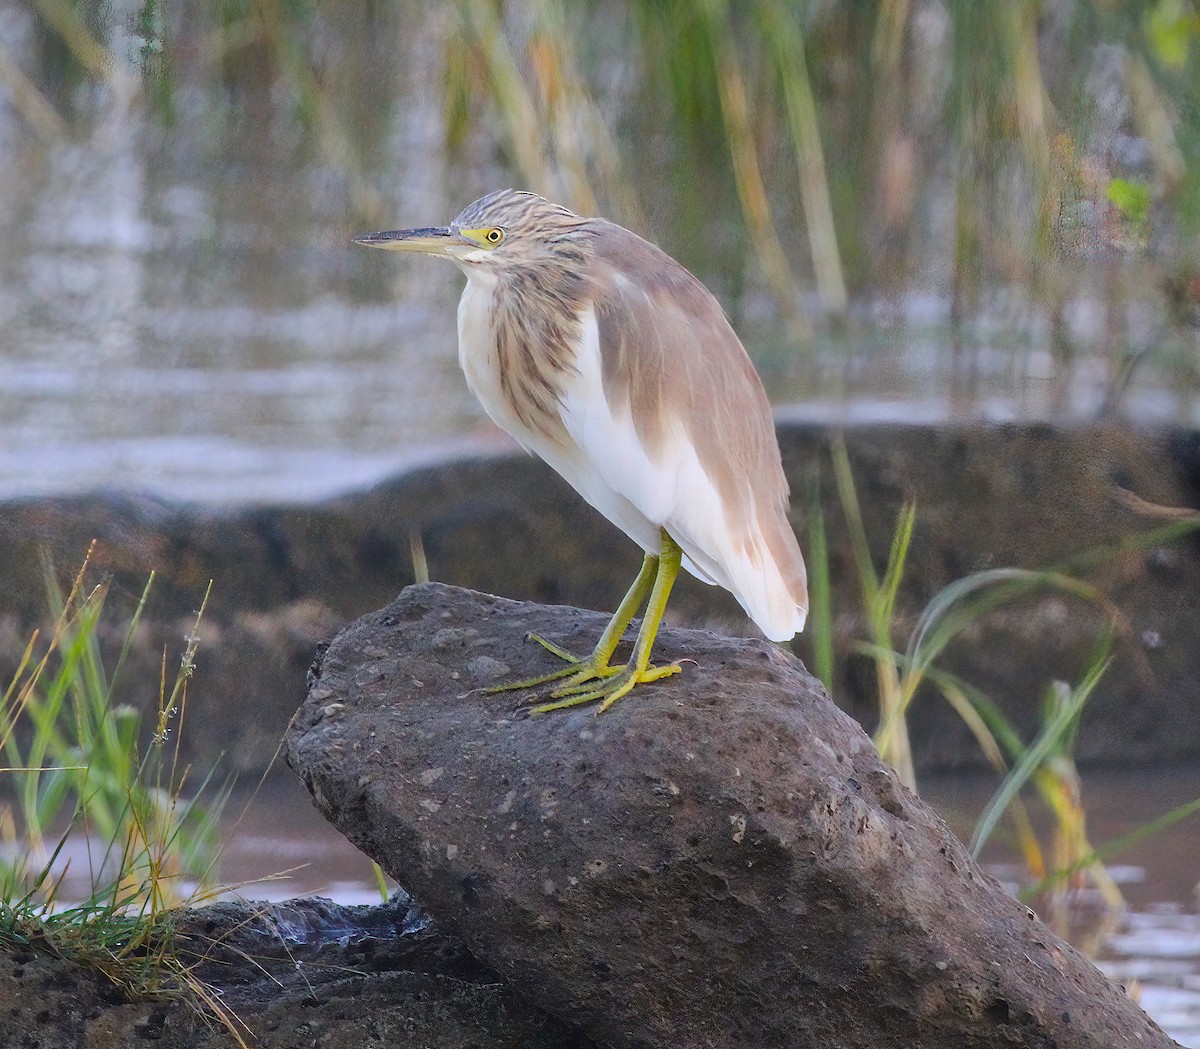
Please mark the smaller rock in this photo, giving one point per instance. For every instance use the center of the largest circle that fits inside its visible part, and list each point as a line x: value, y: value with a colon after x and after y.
x: 306, y: 972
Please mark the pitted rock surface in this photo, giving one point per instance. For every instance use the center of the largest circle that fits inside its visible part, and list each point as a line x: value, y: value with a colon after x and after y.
x: 720, y: 860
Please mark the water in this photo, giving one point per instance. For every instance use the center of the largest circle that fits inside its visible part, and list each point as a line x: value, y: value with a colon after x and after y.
x: 182, y: 311
x: 244, y: 402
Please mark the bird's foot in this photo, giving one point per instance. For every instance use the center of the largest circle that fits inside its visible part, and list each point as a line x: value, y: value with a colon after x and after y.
x: 585, y: 680
x: 615, y: 682
x: 575, y: 673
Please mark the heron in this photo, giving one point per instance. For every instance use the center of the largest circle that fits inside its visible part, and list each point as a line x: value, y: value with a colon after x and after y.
x: 605, y: 357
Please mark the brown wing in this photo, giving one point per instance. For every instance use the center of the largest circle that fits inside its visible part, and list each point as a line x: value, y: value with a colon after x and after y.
x: 670, y: 354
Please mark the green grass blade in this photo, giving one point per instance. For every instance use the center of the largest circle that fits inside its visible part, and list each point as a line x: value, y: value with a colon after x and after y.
x: 130, y: 634
x: 963, y: 602
x: 819, y: 589
x: 380, y: 882
x: 848, y: 496
x: 897, y: 557
x: 1048, y: 740
x: 1107, y: 852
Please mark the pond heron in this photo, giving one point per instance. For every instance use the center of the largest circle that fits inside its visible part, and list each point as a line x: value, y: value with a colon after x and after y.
x: 605, y: 357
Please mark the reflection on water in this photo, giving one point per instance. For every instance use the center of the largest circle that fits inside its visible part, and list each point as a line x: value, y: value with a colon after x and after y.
x: 230, y: 404
x: 1160, y: 949
x: 242, y: 403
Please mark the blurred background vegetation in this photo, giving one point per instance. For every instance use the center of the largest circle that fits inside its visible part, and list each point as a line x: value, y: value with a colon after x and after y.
x: 1020, y: 178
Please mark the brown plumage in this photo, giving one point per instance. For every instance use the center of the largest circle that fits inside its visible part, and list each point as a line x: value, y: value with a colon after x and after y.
x: 650, y: 340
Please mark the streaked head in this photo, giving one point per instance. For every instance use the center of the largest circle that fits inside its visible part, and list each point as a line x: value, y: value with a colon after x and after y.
x: 506, y: 227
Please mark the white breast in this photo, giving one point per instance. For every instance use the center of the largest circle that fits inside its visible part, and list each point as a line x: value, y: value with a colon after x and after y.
x: 477, y: 348
x: 584, y: 413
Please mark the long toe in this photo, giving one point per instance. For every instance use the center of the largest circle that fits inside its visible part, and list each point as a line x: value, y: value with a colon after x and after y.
x: 584, y: 680
x: 535, y: 682
x: 578, y: 672
x: 608, y: 691
x: 552, y: 648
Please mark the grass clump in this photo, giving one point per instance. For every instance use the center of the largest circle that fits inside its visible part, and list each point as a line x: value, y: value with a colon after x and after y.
x: 77, y: 788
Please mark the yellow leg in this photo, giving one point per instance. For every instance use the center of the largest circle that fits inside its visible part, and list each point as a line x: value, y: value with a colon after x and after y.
x: 596, y: 665
x: 620, y: 681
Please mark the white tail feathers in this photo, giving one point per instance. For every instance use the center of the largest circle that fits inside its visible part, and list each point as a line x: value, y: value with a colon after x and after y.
x: 766, y: 574
x: 774, y: 596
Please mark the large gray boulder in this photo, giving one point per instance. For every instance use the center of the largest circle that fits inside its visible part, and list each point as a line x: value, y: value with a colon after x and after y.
x: 719, y: 861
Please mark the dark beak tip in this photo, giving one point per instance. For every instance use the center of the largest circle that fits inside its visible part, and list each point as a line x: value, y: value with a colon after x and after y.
x: 389, y: 237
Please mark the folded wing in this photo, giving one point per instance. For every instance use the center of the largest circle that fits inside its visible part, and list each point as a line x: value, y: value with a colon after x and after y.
x: 684, y: 432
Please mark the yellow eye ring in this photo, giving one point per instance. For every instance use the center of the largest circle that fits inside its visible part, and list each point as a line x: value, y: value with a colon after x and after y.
x: 494, y: 236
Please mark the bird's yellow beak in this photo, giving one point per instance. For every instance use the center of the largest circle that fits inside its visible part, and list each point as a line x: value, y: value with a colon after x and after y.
x: 432, y: 240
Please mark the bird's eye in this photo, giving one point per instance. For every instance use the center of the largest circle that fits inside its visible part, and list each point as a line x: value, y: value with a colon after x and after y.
x: 494, y: 236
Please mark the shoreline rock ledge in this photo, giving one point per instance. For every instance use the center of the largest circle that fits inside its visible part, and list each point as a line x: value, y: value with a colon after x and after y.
x: 721, y: 860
